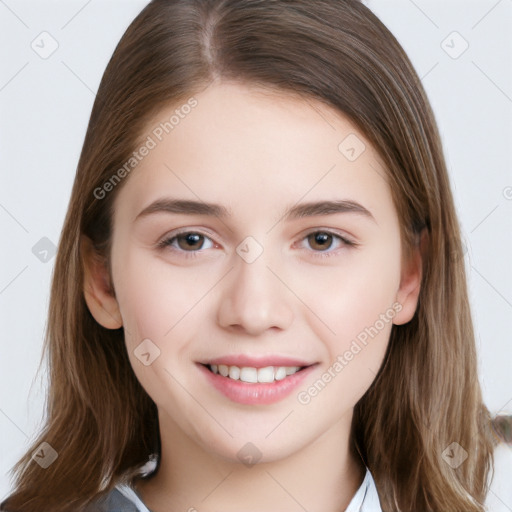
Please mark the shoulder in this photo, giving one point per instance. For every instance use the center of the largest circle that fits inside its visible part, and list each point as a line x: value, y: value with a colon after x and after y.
x: 114, y: 501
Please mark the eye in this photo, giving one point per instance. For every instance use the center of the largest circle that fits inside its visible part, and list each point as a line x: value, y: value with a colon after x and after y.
x: 323, y: 240
x: 187, y: 241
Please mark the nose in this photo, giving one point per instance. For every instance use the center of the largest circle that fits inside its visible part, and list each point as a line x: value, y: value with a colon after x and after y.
x: 255, y: 298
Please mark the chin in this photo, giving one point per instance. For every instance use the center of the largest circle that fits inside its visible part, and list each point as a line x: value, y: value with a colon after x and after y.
x: 253, y: 448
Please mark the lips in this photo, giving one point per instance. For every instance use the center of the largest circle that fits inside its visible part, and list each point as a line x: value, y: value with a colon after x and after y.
x: 255, y: 380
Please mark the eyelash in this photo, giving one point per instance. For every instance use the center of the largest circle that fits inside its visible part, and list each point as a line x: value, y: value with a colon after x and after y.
x: 166, y: 242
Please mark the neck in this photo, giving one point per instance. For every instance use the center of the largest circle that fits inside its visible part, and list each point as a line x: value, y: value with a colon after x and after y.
x: 321, y: 477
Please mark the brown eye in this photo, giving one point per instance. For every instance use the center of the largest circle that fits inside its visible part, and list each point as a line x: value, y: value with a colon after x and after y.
x: 190, y: 241
x: 186, y: 242
x: 324, y: 244
x: 320, y: 240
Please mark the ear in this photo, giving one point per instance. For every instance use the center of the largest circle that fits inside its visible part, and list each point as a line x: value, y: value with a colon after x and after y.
x: 98, y: 291
x: 410, y: 281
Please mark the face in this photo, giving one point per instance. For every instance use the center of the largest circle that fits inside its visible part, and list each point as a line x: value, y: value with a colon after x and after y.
x: 280, y: 263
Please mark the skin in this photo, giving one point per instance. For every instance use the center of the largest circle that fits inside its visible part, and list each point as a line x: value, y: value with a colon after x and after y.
x: 255, y: 152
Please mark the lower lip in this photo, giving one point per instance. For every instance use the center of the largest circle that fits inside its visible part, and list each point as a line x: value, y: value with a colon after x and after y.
x: 256, y: 393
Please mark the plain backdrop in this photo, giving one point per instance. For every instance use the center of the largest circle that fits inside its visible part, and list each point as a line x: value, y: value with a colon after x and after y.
x: 462, y: 50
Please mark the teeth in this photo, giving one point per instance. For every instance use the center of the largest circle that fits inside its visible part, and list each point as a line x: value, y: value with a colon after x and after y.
x: 266, y: 374
x: 234, y: 372
x: 282, y: 372
x: 253, y: 375
x: 249, y: 375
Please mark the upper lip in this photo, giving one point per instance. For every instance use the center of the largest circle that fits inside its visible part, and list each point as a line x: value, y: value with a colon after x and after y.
x: 242, y: 360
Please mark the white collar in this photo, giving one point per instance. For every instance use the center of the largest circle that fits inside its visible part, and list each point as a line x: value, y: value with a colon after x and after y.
x: 365, y: 499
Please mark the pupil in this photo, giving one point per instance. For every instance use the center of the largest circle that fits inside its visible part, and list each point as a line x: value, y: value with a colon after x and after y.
x: 192, y: 239
x: 321, y: 239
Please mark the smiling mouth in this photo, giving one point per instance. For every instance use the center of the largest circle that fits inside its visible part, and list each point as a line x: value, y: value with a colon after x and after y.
x: 252, y: 375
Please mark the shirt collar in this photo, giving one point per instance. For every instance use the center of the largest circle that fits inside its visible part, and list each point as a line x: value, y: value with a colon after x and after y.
x: 366, y: 499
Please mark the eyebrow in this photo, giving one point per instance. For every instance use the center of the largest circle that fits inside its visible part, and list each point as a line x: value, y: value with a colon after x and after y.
x: 311, y: 209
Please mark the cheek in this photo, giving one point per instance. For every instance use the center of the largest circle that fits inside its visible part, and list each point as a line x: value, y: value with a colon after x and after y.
x: 351, y: 296
x: 162, y: 302
x: 352, y: 312
x: 362, y: 323
x: 157, y: 303
x: 154, y: 297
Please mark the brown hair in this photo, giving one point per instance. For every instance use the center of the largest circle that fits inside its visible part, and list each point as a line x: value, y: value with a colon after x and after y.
x: 100, y: 421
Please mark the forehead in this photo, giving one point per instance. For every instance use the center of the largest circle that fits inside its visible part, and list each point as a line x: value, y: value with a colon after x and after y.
x: 239, y: 141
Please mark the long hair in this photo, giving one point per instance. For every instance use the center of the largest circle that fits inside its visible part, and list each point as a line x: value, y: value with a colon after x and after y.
x: 426, y: 396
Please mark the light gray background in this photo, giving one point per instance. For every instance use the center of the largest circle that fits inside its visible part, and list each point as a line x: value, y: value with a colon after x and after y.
x: 45, y: 106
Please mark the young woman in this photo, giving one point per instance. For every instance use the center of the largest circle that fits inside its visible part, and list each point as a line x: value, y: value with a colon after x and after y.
x: 258, y: 301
